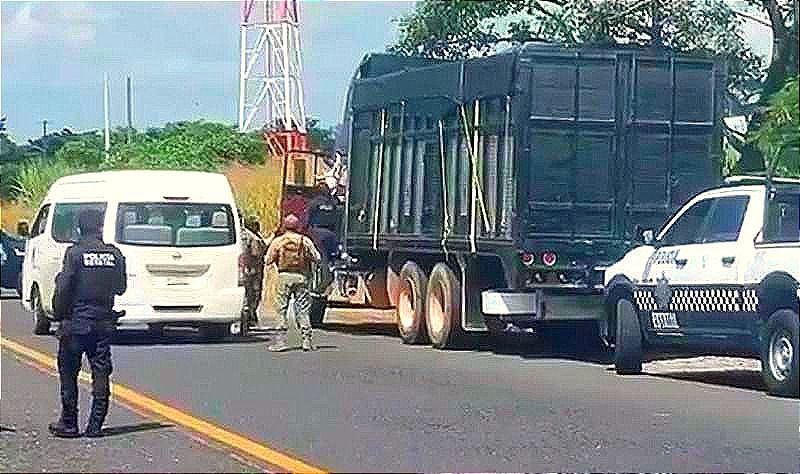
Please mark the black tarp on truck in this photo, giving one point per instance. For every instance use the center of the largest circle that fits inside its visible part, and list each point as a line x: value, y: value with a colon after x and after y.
x: 530, y: 170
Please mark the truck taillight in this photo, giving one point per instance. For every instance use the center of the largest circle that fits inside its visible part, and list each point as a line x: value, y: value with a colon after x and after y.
x: 241, y: 269
x: 527, y: 258
x: 549, y: 258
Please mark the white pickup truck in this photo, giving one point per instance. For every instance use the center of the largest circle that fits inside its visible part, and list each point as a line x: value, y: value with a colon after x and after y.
x: 720, y: 278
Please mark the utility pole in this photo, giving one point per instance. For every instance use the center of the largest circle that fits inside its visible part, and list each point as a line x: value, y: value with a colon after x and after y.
x: 105, y: 113
x: 129, y: 111
x: 44, y: 128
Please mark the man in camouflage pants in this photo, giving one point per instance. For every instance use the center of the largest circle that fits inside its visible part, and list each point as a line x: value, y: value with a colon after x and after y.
x: 294, y: 254
x: 254, y: 251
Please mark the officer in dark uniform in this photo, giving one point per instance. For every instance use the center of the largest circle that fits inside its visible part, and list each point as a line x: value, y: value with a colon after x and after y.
x: 93, y: 273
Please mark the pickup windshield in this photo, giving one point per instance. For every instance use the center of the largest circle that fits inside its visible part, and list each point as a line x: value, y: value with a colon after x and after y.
x: 175, y: 224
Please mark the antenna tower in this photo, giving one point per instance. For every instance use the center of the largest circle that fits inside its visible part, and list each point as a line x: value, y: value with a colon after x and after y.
x: 270, y: 79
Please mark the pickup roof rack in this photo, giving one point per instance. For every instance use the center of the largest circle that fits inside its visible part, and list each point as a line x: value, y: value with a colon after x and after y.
x: 755, y: 180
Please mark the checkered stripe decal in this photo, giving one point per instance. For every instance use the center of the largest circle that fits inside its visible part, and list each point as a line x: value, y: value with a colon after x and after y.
x: 701, y: 300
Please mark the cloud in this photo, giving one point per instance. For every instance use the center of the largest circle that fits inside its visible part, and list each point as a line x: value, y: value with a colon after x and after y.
x: 73, y: 25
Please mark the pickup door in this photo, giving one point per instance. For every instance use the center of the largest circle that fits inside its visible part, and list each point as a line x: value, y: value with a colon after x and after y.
x: 694, y: 272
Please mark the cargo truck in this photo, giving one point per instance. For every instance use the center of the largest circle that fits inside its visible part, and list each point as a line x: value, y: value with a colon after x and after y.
x: 491, y: 194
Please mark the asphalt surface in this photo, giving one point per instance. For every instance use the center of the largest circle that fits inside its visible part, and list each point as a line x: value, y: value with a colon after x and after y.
x: 133, y: 443
x: 366, y: 402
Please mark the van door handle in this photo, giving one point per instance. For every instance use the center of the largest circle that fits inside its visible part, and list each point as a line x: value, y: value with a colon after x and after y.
x: 728, y: 260
x: 681, y: 262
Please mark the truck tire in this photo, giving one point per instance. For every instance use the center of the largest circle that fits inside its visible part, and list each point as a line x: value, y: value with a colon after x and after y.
x: 779, y: 351
x: 628, y: 353
x: 410, y: 310
x: 377, y: 294
x: 41, y: 325
x: 443, y: 308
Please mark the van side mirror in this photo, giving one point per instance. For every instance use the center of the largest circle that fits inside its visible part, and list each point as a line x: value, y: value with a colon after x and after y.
x: 23, y: 229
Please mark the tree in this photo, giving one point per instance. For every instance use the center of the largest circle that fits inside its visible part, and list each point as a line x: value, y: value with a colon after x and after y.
x: 460, y: 28
x: 778, y: 138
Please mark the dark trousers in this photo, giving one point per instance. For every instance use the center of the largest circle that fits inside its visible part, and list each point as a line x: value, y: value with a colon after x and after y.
x: 97, y: 347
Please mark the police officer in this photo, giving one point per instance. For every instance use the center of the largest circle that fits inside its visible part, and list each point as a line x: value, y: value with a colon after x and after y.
x: 294, y: 254
x: 254, y: 251
x: 93, y: 273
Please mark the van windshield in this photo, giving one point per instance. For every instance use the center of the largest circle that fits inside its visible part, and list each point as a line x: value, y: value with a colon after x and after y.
x: 175, y: 224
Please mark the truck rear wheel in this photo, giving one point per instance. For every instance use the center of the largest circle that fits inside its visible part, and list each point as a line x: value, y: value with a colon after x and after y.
x: 410, y: 311
x: 779, y: 352
x: 628, y: 353
x: 443, y: 310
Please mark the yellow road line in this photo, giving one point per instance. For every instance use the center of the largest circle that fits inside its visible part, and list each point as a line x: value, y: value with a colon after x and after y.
x: 221, y: 435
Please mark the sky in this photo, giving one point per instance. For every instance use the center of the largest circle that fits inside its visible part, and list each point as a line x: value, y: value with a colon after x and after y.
x: 183, y: 58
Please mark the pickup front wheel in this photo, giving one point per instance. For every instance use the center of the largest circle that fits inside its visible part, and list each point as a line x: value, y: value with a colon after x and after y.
x: 779, y: 352
x: 628, y: 353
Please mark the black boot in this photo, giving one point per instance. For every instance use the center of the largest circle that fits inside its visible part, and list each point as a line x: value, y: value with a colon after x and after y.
x: 65, y: 427
x: 94, y: 429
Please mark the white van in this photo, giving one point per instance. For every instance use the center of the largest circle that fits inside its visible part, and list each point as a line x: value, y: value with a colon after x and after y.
x: 179, y: 232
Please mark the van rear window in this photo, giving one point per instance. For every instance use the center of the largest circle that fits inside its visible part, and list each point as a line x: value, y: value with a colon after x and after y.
x: 175, y: 224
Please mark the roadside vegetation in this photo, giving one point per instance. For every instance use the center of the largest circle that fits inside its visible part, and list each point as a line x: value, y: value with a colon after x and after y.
x: 29, y: 170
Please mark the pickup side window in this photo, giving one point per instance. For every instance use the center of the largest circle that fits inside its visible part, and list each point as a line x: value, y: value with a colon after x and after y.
x: 783, y: 219
x: 726, y: 219
x: 686, y: 230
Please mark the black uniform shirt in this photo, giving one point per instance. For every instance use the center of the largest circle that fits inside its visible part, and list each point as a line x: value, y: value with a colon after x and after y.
x: 93, y: 273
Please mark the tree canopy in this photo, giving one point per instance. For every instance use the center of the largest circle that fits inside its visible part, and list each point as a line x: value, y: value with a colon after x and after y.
x: 461, y: 28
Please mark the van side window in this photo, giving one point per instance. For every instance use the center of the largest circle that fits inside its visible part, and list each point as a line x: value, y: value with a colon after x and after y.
x: 65, y: 219
x: 40, y: 223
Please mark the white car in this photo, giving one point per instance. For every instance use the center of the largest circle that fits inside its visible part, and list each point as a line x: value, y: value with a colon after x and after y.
x: 721, y: 277
x: 179, y: 232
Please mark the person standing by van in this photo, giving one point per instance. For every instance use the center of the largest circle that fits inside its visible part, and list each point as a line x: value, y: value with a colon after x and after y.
x: 93, y: 273
x: 294, y: 254
x: 254, y: 252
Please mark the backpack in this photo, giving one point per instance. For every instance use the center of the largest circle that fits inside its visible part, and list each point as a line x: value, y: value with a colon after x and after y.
x: 292, y: 257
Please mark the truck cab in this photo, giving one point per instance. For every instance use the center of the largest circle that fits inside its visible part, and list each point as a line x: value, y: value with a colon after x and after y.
x: 721, y: 277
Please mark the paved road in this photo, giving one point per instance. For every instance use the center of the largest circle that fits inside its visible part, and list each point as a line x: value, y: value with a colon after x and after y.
x: 365, y: 402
